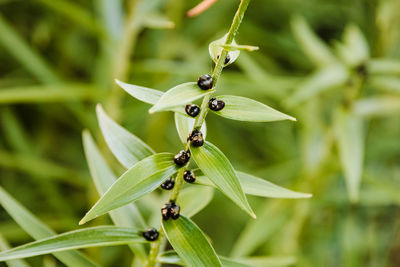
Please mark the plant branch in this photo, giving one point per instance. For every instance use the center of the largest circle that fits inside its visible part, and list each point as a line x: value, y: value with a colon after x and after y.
x: 237, y: 20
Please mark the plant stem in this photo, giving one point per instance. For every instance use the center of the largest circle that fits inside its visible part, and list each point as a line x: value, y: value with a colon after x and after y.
x: 237, y: 20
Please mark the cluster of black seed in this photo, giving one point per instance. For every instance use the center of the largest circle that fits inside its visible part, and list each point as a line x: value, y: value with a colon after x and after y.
x: 189, y: 177
x: 170, y: 210
x: 150, y: 234
x: 196, y: 138
x: 168, y: 184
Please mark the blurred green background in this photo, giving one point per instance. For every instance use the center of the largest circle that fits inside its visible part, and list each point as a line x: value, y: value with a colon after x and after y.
x: 58, y: 58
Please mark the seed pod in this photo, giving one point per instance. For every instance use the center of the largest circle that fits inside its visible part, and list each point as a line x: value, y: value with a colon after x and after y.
x: 196, y: 138
x: 182, y: 157
x: 170, y: 210
x: 216, y: 104
x: 192, y: 110
x: 205, y: 82
x: 150, y: 234
x: 227, y: 59
x: 189, y: 177
x: 168, y: 184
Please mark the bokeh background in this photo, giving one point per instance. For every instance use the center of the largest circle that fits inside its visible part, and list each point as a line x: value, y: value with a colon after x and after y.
x: 59, y: 58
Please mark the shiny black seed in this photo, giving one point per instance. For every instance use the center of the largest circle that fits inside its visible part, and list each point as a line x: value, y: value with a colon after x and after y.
x: 170, y: 210
x: 196, y: 138
x: 216, y: 104
x: 227, y: 59
x: 150, y: 234
x: 205, y: 82
x: 174, y: 211
x: 182, y: 157
x: 168, y: 184
x: 192, y: 110
x: 189, y: 177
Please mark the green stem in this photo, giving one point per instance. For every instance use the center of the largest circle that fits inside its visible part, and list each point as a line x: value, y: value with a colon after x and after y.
x: 237, y: 20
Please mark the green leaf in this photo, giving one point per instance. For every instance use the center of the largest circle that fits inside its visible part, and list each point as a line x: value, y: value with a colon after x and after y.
x: 39, y: 230
x: 350, y: 138
x: 141, y: 179
x: 141, y: 93
x: 195, y: 198
x: 248, y: 48
x: 321, y: 80
x: 103, y: 177
x: 386, y: 83
x: 190, y: 242
x: 126, y: 147
x: 383, y: 66
x: 158, y: 21
x: 215, y: 49
x: 184, y: 126
x: 356, y: 42
x: 11, y: 263
x: 90, y: 237
x: 246, y: 109
x: 217, y: 167
x: 178, y: 96
x: 377, y: 106
x: 256, y: 186
x: 316, y: 50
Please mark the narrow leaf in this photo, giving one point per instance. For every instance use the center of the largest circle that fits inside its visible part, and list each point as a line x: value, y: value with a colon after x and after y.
x: 178, y: 96
x: 103, y: 177
x: 126, y: 147
x: 141, y: 93
x: 90, y: 237
x: 184, y: 126
x: 215, y: 48
x: 350, y: 138
x: 158, y: 21
x: 256, y: 186
x: 141, y: 179
x: 248, y: 48
x: 377, y: 106
x: 246, y: 109
x: 38, y: 230
x: 190, y: 242
x: 11, y: 263
x: 217, y: 167
x: 195, y: 198
x: 383, y: 66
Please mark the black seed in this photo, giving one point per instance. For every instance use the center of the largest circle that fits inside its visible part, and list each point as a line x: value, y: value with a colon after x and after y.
x: 196, y: 138
x: 205, y: 82
x: 189, y: 177
x: 216, y: 104
x: 192, y: 110
x: 168, y: 184
x: 227, y: 59
x: 170, y: 210
x: 182, y: 157
x: 150, y: 234
x: 174, y: 211
x: 165, y: 211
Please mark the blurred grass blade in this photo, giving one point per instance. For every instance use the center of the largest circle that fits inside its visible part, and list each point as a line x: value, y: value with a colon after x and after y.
x: 246, y: 109
x: 350, y: 138
x: 184, y: 125
x: 377, y: 106
x: 141, y: 93
x: 141, y: 179
x: 256, y: 186
x: 356, y: 42
x: 323, y: 79
x: 190, y: 242
x: 178, y: 96
x: 89, y: 237
x: 103, y: 177
x: 48, y: 93
x: 316, y: 50
x: 38, y: 230
x: 11, y: 263
x: 24, y: 53
x: 383, y: 66
x: 195, y: 198
x: 386, y: 83
x: 215, y: 49
x: 157, y: 21
x: 126, y: 147
x: 217, y: 167
x: 271, y: 261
